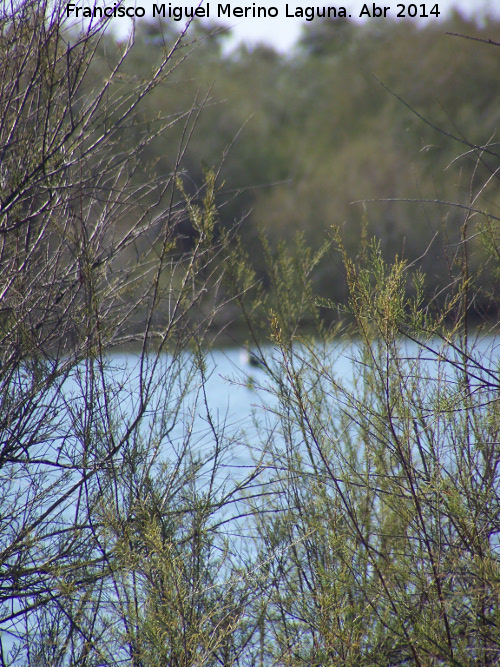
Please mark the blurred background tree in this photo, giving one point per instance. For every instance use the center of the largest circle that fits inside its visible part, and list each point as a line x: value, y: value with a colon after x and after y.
x: 339, y: 120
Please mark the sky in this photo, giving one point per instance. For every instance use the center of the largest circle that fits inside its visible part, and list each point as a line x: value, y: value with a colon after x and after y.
x: 283, y: 31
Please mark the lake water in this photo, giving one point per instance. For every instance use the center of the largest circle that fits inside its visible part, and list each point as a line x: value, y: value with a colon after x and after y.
x: 232, y: 395
x: 192, y: 405
x: 227, y: 396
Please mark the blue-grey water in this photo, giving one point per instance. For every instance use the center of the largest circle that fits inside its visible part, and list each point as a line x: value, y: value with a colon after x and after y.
x: 233, y: 396
x: 193, y: 405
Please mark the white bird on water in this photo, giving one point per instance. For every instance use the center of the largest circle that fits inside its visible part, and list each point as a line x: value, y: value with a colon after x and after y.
x: 251, y: 359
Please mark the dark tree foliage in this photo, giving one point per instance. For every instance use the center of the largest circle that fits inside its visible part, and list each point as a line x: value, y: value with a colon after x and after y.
x: 350, y: 116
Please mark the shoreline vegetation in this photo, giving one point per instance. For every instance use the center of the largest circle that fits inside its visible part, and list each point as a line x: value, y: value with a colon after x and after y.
x: 378, y: 152
x: 157, y: 190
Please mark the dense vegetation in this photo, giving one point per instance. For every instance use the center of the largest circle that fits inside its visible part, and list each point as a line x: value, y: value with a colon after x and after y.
x: 305, y: 135
x: 364, y: 527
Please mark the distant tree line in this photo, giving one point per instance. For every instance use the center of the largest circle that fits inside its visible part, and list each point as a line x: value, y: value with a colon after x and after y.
x: 312, y: 138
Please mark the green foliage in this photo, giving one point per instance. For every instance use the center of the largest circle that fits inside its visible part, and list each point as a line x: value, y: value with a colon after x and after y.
x: 384, y: 505
x: 364, y: 527
x: 302, y: 137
